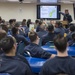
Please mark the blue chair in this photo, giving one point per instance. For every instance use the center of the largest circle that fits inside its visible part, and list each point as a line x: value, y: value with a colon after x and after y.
x: 36, y: 63
x: 73, y: 45
x: 27, y: 38
x: 4, y: 74
x: 50, y: 43
x: 20, y: 47
x: 27, y: 54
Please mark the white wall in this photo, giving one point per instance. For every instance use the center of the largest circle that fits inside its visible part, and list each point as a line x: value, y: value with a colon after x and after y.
x: 18, y: 11
x: 27, y: 11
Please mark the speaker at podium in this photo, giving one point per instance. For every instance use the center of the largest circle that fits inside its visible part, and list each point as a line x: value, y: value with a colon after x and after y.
x: 64, y: 23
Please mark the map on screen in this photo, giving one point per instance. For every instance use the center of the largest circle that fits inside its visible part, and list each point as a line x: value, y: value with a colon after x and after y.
x: 48, y: 11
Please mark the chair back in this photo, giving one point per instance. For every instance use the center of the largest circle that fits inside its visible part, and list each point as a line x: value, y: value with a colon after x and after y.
x: 5, y: 74
x: 27, y: 54
x: 61, y: 74
x: 73, y: 45
x: 20, y: 47
x: 50, y: 43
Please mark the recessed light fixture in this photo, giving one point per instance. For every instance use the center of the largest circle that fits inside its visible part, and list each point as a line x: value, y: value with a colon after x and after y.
x: 13, y: 0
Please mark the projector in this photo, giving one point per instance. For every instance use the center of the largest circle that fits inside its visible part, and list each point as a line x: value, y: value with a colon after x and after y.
x: 21, y: 1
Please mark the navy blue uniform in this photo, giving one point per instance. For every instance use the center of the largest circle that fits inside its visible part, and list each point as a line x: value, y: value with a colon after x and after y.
x: 71, y: 42
x: 21, y: 38
x: 59, y: 65
x: 13, y: 65
x: 60, y: 30
x: 69, y: 36
x: 47, y: 38
x: 38, y: 28
x: 36, y: 51
x: 67, y: 17
x: 42, y: 33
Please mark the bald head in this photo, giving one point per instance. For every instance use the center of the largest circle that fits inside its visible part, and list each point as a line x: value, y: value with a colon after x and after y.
x: 2, y: 34
x: 43, y: 27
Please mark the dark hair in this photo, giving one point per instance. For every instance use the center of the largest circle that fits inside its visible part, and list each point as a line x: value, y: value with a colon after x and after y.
x: 36, y: 21
x: 2, y: 34
x: 33, y: 36
x: 72, y: 28
x: 11, y: 21
x: 14, y: 30
x: 4, y: 27
x: 40, y: 23
x: 29, y: 22
x: 59, y: 23
x: 7, y: 43
x: 60, y: 43
x: 14, y: 20
x: 73, y: 36
x: 50, y: 27
x: 24, y: 20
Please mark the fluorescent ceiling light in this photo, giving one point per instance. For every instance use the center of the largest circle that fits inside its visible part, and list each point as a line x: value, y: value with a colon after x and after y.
x: 13, y: 0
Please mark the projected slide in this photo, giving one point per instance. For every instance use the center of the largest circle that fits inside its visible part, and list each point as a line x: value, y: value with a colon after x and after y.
x: 48, y: 12
x: 48, y: 1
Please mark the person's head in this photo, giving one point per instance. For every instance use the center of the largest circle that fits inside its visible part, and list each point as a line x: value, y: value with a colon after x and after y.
x: 72, y: 28
x: 23, y: 22
x: 29, y: 21
x: 34, y: 37
x: 14, y: 21
x: 58, y: 24
x: 5, y: 27
x: 40, y: 23
x: 15, y: 30
x: 3, y: 21
x: 11, y: 21
x: 42, y: 27
x: 8, y: 45
x: 60, y: 43
x: 2, y: 34
x: 50, y: 28
x: 73, y: 36
x: 17, y: 25
x: 66, y: 11
x: 37, y: 22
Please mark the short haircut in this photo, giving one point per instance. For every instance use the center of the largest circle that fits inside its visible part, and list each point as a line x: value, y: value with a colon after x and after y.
x: 14, y: 30
x: 33, y: 36
x: 72, y: 28
x: 50, y: 28
x: 36, y: 21
x: 40, y: 23
x: 42, y: 27
x: 11, y: 21
x: 4, y: 27
x: 59, y: 23
x: 60, y: 43
x: 24, y: 20
x: 2, y: 34
x: 7, y: 44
